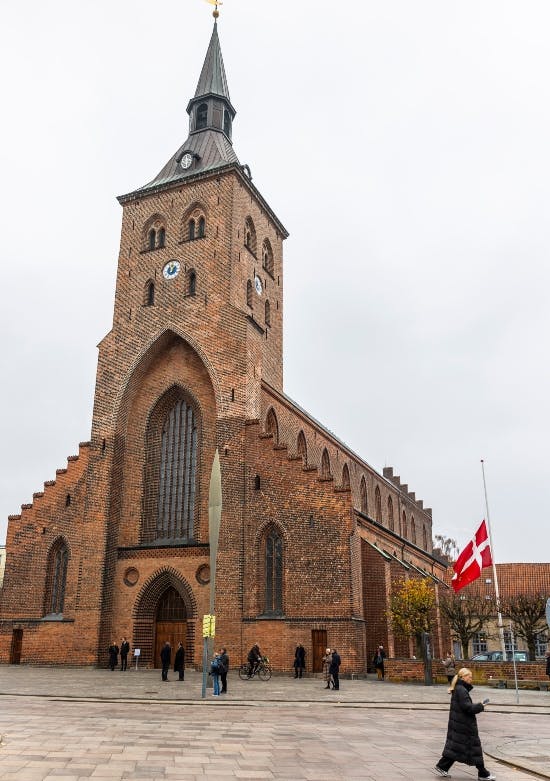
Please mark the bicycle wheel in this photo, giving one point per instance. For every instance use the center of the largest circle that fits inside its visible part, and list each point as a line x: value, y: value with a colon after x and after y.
x: 243, y: 672
x: 264, y: 673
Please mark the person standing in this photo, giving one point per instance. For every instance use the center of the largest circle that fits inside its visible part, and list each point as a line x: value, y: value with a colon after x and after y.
x: 165, y: 657
x: 215, y: 670
x: 327, y: 659
x: 334, y: 669
x: 299, y: 661
x: 124, y: 651
x: 224, y: 659
x: 378, y: 661
x: 179, y: 662
x: 463, y: 743
x: 113, y: 655
x: 449, y: 665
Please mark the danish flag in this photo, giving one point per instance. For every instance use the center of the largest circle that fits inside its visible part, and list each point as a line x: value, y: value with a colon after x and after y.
x: 475, y: 556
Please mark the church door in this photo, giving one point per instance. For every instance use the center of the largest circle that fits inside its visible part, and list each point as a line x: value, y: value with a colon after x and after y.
x: 16, y: 646
x: 319, y: 646
x: 170, y: 623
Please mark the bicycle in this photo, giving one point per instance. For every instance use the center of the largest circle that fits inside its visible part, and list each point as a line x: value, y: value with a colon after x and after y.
x: 262, y: 670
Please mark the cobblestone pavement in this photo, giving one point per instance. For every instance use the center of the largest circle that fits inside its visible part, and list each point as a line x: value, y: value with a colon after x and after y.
x: 81, y: 724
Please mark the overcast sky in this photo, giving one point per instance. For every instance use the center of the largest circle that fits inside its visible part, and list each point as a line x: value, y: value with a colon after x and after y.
x: 404, y: 145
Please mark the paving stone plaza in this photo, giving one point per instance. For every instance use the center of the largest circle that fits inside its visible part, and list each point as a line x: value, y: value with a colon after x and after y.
x: 84, y: 723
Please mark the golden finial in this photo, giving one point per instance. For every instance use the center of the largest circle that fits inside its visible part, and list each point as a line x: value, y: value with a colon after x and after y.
x: 215, y: 3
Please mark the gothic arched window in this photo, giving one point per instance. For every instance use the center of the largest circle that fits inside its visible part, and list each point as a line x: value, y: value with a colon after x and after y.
x: 202, y: 228
x: 345, y: 477
x: 250, y: 235
x: 191, y: 283
x: 404, y: 530
x: 149, y: 293
x: 267, y: 257
x: 301, y: 447
x: 272, y: 426
x: 202, y: 116
x: 424, y: 538
x: 413, y: 531
x: 325, y: 465
x: 274, y: 573
x: 377, y: 505
x: 152, y: 238
x: 191, y: 233
x: 391, y: 524
x: 161, y: 237
x: 363, y: 497
x: 56, y: 578
x: 171, y: 470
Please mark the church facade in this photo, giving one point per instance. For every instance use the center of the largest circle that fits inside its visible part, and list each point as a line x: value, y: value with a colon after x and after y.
x: 312, y: 539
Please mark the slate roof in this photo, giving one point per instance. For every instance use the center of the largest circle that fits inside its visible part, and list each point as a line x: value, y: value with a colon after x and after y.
x: 212, y: 78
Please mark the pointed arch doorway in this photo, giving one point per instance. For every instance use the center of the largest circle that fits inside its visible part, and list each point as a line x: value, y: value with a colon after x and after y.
x: 170, y: 623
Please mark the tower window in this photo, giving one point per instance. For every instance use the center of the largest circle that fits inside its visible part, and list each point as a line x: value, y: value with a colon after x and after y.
x: 152, y: 238
x: 267, y: 313
x: 192, y: 228
x: 161, y: 237
x: 267, y: 257
x: 257, y: 483
x: 250, y: 235
x: 249, y: 294
x: 192, y: 283
x: 202, y: 227
x: 202, y: 116
x: 227, y: 123
x: 149, y: 293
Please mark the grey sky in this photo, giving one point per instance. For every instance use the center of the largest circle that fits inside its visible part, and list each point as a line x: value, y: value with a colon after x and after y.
x: 404, y: 146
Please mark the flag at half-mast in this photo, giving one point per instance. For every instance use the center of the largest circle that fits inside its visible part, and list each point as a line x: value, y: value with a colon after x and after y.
x: 475, y: 556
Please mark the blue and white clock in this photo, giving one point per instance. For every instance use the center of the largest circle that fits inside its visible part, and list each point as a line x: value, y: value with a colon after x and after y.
x: 171, y: 269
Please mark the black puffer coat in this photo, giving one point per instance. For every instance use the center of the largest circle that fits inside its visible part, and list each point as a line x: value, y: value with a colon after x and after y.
x: 463, y: 743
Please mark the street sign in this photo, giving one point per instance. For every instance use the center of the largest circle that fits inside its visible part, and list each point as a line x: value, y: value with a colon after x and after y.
x: 209, y: 626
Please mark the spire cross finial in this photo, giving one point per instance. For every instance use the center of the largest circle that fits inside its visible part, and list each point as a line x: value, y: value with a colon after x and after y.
x: 215, y: 3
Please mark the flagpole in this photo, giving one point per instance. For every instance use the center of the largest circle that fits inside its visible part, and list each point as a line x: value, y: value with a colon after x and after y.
x: 493, y: 557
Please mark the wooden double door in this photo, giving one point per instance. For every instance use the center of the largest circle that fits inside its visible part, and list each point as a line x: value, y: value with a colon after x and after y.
x: 318, y: 648
x: 170, y: 623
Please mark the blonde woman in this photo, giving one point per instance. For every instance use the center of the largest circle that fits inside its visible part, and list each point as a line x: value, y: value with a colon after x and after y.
x: 463, y: 743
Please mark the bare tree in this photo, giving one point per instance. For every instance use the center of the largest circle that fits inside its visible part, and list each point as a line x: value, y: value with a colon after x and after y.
x: 467, y: 615
x: 527, y: 613
x: 446, y: 547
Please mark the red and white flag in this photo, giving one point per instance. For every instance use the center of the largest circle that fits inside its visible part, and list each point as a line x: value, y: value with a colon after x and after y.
x: 475, y: 556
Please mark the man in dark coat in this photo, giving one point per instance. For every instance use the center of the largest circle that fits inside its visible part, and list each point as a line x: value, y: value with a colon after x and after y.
x: 113, y: 655
x: 124, y: 651
x: 463, y: 743
x: 378, y: 661
x: 224, y: 668
x: 179, y: 662
x: 165, y: 656
x: 299, y: 661
x: 334, y: 668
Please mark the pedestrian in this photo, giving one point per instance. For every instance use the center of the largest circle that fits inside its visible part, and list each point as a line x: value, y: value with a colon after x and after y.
x: 449, y: 665
x: 215, y: 670
x: 165, y: 657
x: 113, y: 655
x: 299, y: 661
x: 124, y: 651
x: 327, y: 660
x: 463, y: 743
x: 334, y: 669
x: 224, y: 659
x: 179, y: 662
x: 378, y: 662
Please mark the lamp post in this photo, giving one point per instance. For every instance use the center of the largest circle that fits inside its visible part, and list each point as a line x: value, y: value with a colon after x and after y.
x: 214, y: 520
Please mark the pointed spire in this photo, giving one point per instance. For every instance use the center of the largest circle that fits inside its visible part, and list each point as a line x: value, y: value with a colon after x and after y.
x: 212, y: 79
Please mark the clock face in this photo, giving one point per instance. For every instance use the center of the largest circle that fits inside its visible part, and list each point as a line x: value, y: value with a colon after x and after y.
x: 171, y: 269
x: 186, y: 161
x: 258, y: 285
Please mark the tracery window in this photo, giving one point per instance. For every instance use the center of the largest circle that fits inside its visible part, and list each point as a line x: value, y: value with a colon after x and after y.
x: 171, y: 606
x: 56, y: 578
x: 273, y: 573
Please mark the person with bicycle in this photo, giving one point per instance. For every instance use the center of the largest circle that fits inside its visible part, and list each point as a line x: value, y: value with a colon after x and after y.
x: 254, y: 658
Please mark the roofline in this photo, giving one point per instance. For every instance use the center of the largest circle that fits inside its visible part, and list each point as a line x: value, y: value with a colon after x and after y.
x: 402, y: 541
x: 209, y: 174
x: 291, y: 404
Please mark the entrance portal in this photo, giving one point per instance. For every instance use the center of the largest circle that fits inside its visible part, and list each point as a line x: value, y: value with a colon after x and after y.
x: 318, y: 646
x: 170, y: 623
x: 16, y: 646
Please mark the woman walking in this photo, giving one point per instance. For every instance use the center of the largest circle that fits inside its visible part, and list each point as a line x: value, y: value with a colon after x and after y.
x: 463, y: 743
x: 449, y: 665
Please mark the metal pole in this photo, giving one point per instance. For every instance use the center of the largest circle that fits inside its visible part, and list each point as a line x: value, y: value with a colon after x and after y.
x: 514, y: 662
x: 493, y: 557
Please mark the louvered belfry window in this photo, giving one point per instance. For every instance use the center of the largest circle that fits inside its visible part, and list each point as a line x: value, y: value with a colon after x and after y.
x: 178, y: 466
x: 274, y: 573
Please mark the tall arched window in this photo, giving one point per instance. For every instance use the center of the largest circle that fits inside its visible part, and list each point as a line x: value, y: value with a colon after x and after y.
x: 202, y: 228
x: 161, y: 237
x: 249, y: 294
x: 273, y: 573
x: 191, y: 231
x: 413, y: 531
x: 404, y: 530
x: 267, y: 257
x: 202, y: 116
x: 250, y: 235
x: 271, y: 425
x: 345, y: 478
x: 56, y: 578
x: 424, y: 538
x: 152, y: 238
x: 267, y: 313
x: 191, y: 283
x: 363, y: 496
x: 171, y: 470
x: 377, y: 505
x: 325, y: 465
x: 391, y: 523
x: 149, y: 293
x: 301, y: 447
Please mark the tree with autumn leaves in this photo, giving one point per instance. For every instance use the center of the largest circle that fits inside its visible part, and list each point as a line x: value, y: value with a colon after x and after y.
x: 411, y: 606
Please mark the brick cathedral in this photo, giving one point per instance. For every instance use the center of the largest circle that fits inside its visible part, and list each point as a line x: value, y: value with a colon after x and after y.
x: 312, y: 539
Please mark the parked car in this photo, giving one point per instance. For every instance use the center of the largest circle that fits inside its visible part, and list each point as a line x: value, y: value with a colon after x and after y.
x: 496, y: 656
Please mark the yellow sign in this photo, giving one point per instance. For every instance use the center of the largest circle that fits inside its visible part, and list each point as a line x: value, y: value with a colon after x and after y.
x: 209, y: 626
